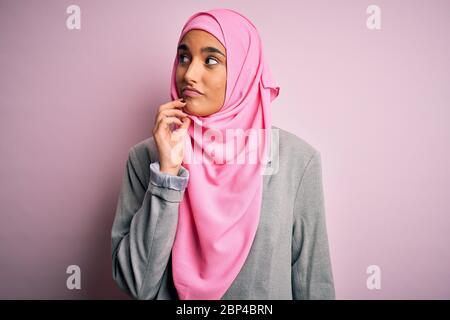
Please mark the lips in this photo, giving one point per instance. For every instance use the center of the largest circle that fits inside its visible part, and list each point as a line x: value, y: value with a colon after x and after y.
x: 191, y: 92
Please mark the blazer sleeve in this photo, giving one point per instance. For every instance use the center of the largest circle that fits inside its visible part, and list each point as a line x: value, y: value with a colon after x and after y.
x: 144, y: 227
x: 312, y: 276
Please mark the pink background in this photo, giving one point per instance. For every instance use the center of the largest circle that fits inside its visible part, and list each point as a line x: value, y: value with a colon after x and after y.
x: 375, y: 103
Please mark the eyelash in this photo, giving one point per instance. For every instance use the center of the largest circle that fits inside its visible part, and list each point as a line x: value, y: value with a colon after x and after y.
x: 210, y: 57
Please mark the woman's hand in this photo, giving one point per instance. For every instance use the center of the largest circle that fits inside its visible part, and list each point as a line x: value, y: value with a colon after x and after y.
x: 170, y: 143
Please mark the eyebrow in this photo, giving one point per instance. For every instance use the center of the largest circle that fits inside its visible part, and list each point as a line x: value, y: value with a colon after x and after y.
x: 207, y: 49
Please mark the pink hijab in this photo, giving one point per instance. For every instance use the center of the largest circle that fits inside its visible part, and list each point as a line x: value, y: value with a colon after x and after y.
x: 219, y: 213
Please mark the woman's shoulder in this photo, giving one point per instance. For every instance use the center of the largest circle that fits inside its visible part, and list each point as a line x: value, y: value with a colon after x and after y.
x: 291, y: 156
x: 292, y: 146
x: 146, y: 150
x: 141, y: 155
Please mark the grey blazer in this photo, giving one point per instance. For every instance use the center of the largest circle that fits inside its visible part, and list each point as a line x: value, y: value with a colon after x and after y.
x: 289, y: 258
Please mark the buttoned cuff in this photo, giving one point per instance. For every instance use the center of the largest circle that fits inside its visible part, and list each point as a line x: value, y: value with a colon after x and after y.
x: 166, y: 180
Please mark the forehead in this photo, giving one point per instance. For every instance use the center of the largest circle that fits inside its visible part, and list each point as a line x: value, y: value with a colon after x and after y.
x: 201, y: 38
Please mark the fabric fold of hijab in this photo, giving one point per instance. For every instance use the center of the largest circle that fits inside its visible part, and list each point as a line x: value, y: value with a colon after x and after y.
x: 219, y: 214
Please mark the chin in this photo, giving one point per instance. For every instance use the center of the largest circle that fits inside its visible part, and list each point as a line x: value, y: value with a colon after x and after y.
x: 193, y: 108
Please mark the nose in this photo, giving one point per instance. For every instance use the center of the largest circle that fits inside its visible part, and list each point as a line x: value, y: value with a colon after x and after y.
x: 193, y: 73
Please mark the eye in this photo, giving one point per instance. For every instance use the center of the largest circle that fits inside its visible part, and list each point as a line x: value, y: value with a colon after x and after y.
x: 213, y: 59
x: 180, y: 58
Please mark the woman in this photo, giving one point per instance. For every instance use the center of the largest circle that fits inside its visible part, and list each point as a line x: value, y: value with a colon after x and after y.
x: 219, y: 228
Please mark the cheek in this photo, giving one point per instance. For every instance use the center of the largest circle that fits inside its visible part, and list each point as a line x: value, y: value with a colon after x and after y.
x: 179, y: 77
x: 219, y: 85
x: 221, y: 88
x: 218, y: 88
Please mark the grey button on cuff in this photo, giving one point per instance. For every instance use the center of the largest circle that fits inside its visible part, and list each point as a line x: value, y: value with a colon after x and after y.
x: 162, y: 179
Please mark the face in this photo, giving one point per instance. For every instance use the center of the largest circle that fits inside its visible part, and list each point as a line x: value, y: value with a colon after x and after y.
x: 202, y: 67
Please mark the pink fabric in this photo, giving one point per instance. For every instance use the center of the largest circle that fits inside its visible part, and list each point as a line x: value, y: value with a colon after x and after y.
x: 219, y: 213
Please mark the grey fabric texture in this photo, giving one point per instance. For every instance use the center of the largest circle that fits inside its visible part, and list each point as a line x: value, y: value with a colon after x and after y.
x: 289, y: 258
x: 166, y: 180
